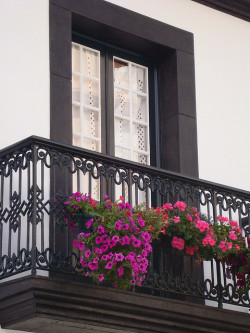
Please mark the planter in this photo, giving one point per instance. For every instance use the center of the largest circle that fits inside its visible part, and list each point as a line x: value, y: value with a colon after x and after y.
x: 82, y: 219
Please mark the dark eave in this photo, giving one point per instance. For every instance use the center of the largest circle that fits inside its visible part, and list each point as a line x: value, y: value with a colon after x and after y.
x: 237, y: 8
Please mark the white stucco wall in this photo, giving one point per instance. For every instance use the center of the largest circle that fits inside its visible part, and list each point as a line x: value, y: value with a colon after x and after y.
x: 222, y: 67
x: 24, y: 69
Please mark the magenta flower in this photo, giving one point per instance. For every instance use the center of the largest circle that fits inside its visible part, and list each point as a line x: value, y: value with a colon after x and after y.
x: 75, y: 243
x: 104, y: 257
x: 125, y: 226
x: 100, y: 277
x: 95, y: 260
x: 141, y: 222
x: 115, y: 238
x: 89, y: 223
x: 176, y: 219
x: 87, y: 253
x: 109, y: 265
x: 72, y: 225
x: 104, y: 248
x: 137, y: 243
x: 120, y: 271
x: 232, y: 235
x: 81, y: 245
x: 112, y: 243
x: 98, y: 240
x: 118, y: 226
x: 100, y: 229
x: 119, y: 256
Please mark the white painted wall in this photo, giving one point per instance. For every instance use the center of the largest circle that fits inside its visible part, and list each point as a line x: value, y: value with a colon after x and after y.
x: 24, y: 70
x: 222, y: 66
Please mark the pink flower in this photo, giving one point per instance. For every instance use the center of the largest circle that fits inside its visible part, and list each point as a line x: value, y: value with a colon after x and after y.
x: 93, y: 266
x: 145, y: 236
x: 191, y: 250
x: 105, y: 239
x: 132, y: 281
x: 121, y: 198
x: 181, y: 205
x: 222, y: 219
x: 176, y: 219
x: 100, y: 277
x: 125, y: 240
x: 202, y: 225
x: 178, y: 243
x: 109, y: 265
x: 84, y: 264
x: 237, y: 247
x: 112, y: 243
x: 125, y: 226
x: 106, y: 197
x: 232, y: 235
x: 208, y: 240
x: 167, y: 206
x: 189, y: 217
x: 75, y: 243
x: 223, y: 246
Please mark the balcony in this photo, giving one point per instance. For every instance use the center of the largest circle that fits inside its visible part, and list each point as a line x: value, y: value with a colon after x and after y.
x: 42, y: 288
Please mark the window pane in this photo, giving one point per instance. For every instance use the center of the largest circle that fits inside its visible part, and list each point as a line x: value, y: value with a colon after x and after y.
x: 122, y: 132
x: 139, y: 81
x: 76, y: 119
x: 90, y: 144
x: 86, y: 110
x: 121, y: 102
x: 139, y: 137
x: 122, y: 153
x: 121, y: 73
x: 75, y: 58
x: 139, y: 107
x: 90, y: 62
x: 131, y: 111
x: 91, y: 123
x: 76, y: 88
x: 90, y: 95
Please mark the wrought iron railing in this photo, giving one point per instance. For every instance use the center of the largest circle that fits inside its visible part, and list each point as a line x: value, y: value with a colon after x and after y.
x: 37, y: 175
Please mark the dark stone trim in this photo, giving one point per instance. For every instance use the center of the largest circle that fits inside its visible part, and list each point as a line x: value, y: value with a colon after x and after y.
x: 172, y: 50
x: 40, y: 304
x: 237, y: 8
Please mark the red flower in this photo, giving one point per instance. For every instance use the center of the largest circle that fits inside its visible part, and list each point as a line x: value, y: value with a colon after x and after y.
x: 151, y: 229
x: 128, y: 213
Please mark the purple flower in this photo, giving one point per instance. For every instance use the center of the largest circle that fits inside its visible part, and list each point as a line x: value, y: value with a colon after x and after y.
x: 109, y: 265
x: 100, y: 277
x: 141, y: 222
x: 119, y: 256
x: 87, y: 253
x: 137, y: 243
x: 117, y: 226
x: 104, y: 248
x: 100, y: 230
x: 89, y: 223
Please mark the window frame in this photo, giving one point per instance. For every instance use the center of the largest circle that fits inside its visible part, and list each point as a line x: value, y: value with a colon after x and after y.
x: 107, y: 54
x: 172, y: 47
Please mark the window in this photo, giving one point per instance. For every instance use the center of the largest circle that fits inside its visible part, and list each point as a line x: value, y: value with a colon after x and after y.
x: 110, y: 100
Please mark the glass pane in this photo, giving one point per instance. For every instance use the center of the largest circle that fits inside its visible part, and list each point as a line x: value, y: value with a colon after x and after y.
x: 139, y: 137
x: 76, y: 119
x: 121, y: 102
x: 121, y: 73
x: 122, y: 132
x: 139, y: 107
x: 90, y: 123
x: 90, y: 62
x: 140, y: 158
x: 90, y: 93
x: 90, y: 144
x: 75, y: 58
x: 77, y: 140
x: 122, y: 153
x: 76, y: 88
x: 139, y: 80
